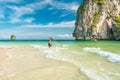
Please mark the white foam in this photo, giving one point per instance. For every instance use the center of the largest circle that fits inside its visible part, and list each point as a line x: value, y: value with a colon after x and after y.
x: 56, y: 57
x: 117, y: 74
x: 65, y: 45
x: 113, y: 73
x: 46, y: 51
x: 52, y: 50
x: 91, y: 74
x: 60, y: 48
x: 36, y: 46
x: 112, y: 57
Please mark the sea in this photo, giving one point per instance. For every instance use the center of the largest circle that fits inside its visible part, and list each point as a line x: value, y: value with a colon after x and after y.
x: 94, y: 60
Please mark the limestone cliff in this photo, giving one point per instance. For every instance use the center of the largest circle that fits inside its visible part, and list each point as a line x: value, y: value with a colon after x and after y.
x: 99, y: 18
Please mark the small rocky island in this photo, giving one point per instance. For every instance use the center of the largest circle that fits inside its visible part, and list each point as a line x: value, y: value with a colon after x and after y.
x: 98, y: 19
x: 12, y: 37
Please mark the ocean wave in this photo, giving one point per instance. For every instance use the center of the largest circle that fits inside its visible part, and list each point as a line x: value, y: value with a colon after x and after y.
x: 91, y: 74
x: 112, y: 57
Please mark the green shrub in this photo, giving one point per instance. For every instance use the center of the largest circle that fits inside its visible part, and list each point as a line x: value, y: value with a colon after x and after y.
x: 110, y: 36
x: 117, y: 19
x: 115, y: 35
x: 101, y: 2
x: 97, y: 13
x: 96, y: 17
x: 81, y: 8
x: 94, y: 0
x: 110, y: 13
x: 93, y: 27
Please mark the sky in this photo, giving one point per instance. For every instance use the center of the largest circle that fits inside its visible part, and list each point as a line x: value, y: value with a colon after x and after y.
x: 38, y: 19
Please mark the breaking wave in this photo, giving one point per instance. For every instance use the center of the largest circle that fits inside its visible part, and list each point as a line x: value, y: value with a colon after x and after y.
x: 93, y: 75
x: 90, y: 73
x: 112, y: 57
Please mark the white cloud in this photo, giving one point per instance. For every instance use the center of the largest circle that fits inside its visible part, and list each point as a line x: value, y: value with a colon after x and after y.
x: 16, y: 20
x: 23, y: 33
x: 52, y: 25
x: 2, y: 13
x: 13, y: 1
x: 73, y: 6
x: 29, y: 20
x: 4, y: 36
x: 38, y: 5
x: 64, y: 35
x: 30, y: 8
x: 17, y: 12
x: 63, y: 15
x: 66, y: 6
x: 33, y: 33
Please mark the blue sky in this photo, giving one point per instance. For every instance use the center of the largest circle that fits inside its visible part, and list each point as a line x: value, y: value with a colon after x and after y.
x: 38, y: 19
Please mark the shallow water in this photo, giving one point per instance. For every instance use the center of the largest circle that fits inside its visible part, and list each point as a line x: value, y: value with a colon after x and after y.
x: 66, y: 60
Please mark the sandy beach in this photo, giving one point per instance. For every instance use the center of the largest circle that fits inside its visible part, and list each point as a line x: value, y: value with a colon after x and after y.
x: 3, y: 56
x: 27, y: 63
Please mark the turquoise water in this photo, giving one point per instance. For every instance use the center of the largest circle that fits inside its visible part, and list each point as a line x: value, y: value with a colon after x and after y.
x: 99, y: 60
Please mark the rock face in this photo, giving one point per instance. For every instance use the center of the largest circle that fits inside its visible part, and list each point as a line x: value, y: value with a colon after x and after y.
x: 99, y: 18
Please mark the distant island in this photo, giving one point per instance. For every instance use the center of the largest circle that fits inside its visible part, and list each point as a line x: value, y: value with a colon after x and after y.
x: 98, y: 19
x: 12, y: 37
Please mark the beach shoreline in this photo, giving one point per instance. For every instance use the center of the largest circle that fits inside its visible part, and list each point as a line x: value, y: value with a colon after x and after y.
x: 27, y: 61
x: 35, y: 61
